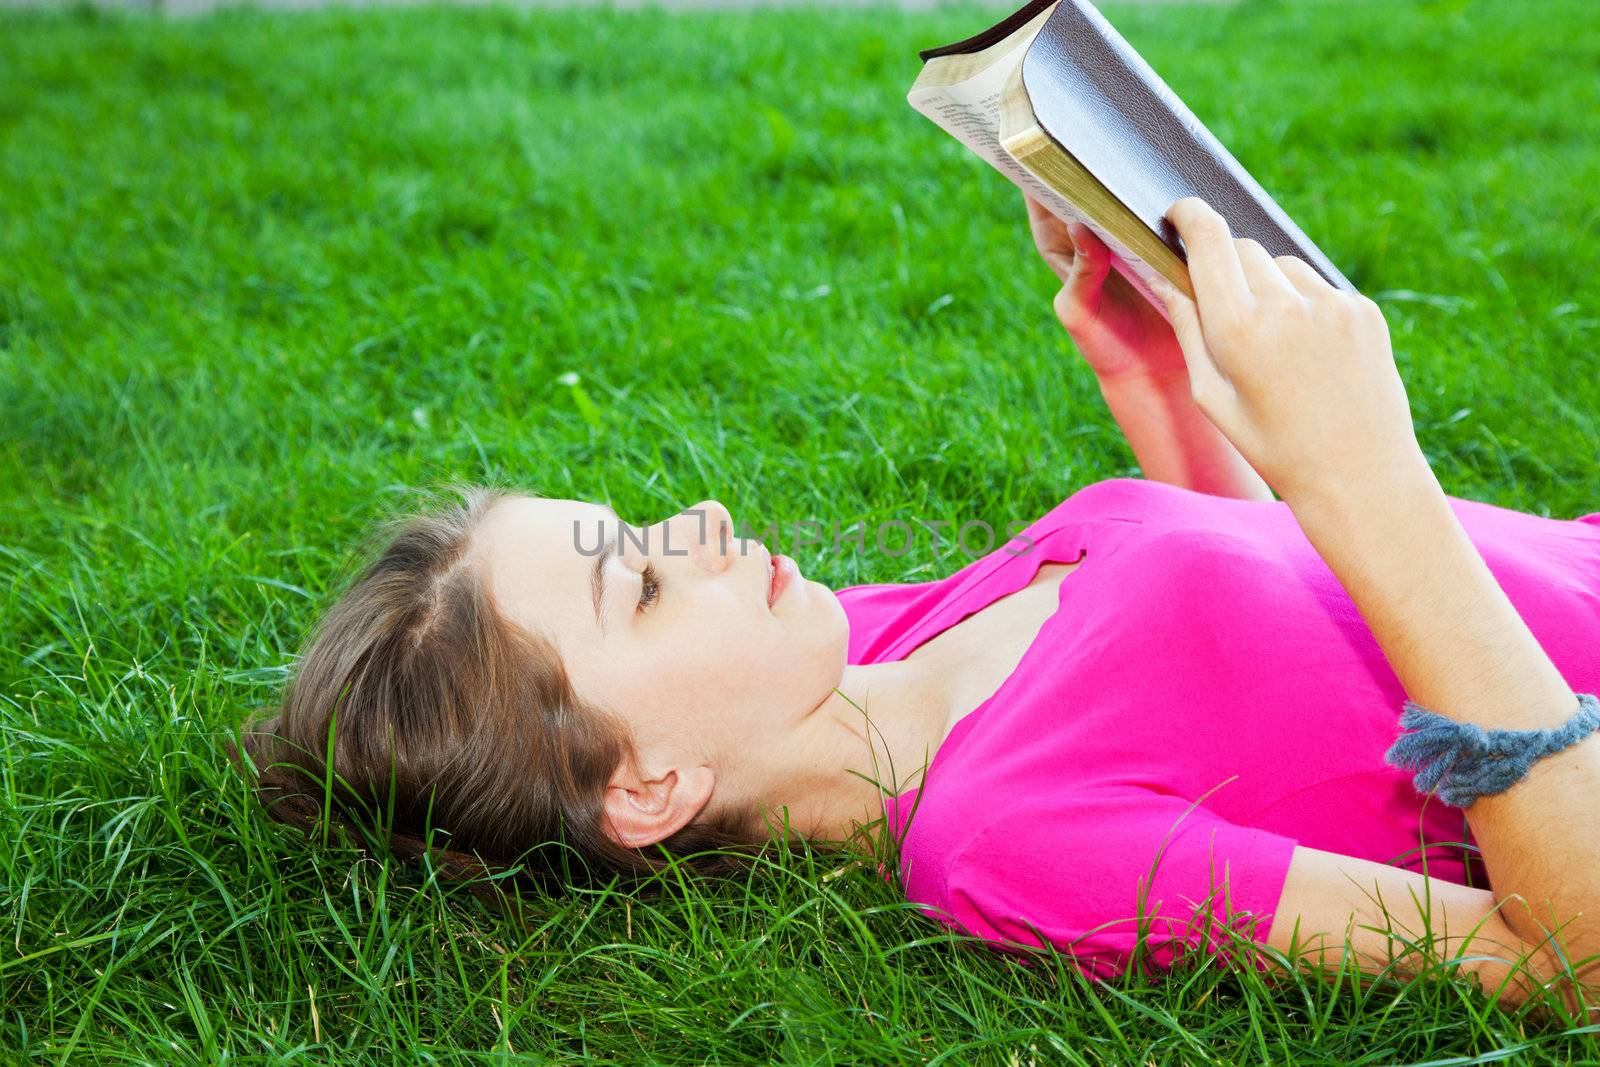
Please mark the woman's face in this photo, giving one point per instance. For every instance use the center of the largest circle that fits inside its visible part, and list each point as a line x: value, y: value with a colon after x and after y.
x: 669, y: 625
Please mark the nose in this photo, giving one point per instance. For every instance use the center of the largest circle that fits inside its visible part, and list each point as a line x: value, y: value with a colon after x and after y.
x: 710, y: 535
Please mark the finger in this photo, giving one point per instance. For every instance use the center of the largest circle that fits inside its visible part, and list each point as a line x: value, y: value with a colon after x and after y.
x: 1260, y: 271
x: 1213, y: 262
x: 1090, y: 264
x: 1085, y: 241
x: 1204, y: 377
x: 1054, y: 242
x: 1303, y: 276
x: 1042, y: 219
x: 1036, y: 210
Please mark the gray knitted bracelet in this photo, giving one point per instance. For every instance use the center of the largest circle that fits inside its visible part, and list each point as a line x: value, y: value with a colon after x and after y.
x: 1465, y: 761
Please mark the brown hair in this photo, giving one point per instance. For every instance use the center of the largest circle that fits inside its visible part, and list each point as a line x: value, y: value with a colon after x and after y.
x: 441, y: 714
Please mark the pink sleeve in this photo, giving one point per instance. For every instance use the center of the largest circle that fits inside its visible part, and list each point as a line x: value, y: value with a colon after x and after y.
x: 1075, y: 871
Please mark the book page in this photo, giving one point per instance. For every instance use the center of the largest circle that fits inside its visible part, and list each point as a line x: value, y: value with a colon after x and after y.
x: 970, y: 112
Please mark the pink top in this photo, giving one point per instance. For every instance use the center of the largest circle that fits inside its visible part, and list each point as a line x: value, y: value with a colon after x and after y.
x: 1202, y: 651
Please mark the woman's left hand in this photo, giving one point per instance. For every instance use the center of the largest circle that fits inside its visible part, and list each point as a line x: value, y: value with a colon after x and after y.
x: 1120, y: 334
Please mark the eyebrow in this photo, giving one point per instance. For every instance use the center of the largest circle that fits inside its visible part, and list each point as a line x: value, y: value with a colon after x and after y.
x: 597, y: 576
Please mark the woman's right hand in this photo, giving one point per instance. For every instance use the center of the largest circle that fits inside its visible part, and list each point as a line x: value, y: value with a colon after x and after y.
x: 1298, y: 375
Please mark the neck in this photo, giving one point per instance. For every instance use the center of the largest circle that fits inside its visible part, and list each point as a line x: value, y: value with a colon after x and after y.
x: 879, y: 727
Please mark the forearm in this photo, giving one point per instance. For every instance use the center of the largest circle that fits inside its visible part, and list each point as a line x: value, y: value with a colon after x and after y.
x: 1174, y: 442
x: 1457, y: 644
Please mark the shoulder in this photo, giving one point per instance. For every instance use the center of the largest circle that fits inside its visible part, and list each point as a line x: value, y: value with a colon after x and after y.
x: 1121, y: 498
x: 1162, y: 506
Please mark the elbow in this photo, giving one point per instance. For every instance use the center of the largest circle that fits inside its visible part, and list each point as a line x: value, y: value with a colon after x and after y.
x: 1564, y: 982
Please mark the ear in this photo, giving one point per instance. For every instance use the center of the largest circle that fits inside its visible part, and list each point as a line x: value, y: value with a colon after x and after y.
x: 640, y: 811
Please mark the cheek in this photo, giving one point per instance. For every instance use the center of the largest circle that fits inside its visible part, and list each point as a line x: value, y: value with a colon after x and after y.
x: 738, y: 659
x: 726, y: 660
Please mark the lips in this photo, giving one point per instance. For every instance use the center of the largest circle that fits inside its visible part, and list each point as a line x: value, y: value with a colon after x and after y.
x: 781, y: 572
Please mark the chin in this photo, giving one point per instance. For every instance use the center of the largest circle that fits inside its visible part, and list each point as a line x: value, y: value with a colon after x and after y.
x: 826, y: 641
x: 841, y: 636
x: 838, y: 621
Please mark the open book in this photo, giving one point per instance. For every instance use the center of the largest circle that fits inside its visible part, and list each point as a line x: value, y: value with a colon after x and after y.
x: 1056, y: 100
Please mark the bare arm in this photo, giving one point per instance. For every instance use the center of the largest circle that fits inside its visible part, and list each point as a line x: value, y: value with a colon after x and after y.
x: 1380, y: 919
x: 1460, y: 648
x: 1301, y: 378
x: 1173, y: 440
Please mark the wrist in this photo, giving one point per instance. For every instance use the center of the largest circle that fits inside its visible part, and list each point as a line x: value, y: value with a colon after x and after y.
x: 1331, y: 504
x: 1141, y: 380
x: 1173, y: 440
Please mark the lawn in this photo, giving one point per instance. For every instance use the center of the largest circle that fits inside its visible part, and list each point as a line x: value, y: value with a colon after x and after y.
x: 262, y: 275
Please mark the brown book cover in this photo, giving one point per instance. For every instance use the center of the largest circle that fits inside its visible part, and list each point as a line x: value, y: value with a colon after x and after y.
x: 1057, y: 100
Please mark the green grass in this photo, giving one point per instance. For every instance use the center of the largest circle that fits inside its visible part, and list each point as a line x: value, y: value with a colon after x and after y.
x: 260, y: 273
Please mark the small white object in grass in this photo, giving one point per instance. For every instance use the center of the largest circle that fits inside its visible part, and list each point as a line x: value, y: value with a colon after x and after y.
x: 569, y: 378
x: 837, y: 871
x: 419, y: 416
